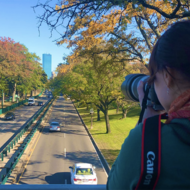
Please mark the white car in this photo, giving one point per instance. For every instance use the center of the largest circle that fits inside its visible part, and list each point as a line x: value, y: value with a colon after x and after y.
x: 83, y: 173
x: 54, y: 126
x: 31, y: 102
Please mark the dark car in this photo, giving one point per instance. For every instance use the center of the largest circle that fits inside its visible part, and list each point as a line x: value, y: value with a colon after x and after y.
x: 50, y: 96
x: 10, y: 116
x: 40, y: 103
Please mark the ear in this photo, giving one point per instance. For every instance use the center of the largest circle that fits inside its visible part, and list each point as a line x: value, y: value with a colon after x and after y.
x: 168, y: 77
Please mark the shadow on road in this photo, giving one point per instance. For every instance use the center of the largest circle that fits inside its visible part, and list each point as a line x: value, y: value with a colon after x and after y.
x: 35, y: 178
x: 59, y: 178
x: 83, y: 157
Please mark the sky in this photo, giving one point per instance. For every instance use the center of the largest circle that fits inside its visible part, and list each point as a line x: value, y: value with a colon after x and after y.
x: 18, y: 21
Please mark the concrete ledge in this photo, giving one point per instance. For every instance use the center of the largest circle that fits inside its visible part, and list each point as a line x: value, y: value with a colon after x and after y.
x: 53, y: 187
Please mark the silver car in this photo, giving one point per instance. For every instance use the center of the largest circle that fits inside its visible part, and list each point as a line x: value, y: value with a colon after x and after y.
x: 54, y: 126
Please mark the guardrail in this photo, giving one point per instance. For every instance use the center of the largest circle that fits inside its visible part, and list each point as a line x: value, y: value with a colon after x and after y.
x: 53, y: 187
x: 19, y: 135
x: 17, y: 104
x: 27, y: 141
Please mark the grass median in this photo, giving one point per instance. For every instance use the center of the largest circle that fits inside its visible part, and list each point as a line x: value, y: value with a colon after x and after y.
x: 110, y: 144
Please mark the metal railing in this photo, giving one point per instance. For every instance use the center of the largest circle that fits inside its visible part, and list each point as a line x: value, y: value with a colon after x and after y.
x: 53, y: 187
x: 19, y: 135
x: 25, y: 144
x: 8, y: 108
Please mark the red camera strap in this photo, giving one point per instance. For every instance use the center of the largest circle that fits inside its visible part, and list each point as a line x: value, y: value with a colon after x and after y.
x: 150, y: 153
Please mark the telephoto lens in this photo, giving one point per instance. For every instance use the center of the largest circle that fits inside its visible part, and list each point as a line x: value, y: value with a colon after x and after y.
x: 129, y: 86
x: 129, y: 89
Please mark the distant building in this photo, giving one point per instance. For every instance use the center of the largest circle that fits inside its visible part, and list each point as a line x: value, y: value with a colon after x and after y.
x: 53, y: 75
x: 46, y: 61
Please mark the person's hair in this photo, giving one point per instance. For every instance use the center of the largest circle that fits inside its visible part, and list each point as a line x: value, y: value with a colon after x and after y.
x: 172, y: 50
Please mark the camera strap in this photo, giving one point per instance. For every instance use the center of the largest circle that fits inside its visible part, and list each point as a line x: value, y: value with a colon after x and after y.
x: 144, y: 104
x: 150, y: 153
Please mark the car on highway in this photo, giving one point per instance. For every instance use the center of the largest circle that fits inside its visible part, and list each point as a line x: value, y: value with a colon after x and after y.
x: 50, y: 96
x: 9, y: 116
x: 40, y: 104
x: 31, y: 102
x: 83, y: 173
x: 54, y: 126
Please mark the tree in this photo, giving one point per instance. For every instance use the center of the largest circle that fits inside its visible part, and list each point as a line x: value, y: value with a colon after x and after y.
x: 83, y: 83
x: 70, y: 10
x: 126, y: 106
x: 13, y: 62
x: 87, y: 23
x: 19, y: 69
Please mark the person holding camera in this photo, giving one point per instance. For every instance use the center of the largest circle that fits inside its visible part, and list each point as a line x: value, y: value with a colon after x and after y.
x: 156, y: 155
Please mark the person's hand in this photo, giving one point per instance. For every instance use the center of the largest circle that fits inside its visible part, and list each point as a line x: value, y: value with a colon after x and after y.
x: 149, y: 111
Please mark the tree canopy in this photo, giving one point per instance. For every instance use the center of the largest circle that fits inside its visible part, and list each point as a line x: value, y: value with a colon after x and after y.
x: 131, y: 26
x: 19, y: 69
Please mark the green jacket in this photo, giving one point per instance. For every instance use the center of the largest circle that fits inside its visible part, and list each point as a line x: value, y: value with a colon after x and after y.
x: 175, y: 159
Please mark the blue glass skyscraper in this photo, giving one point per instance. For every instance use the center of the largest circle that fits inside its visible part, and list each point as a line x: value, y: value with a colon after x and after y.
x: 46, y: 61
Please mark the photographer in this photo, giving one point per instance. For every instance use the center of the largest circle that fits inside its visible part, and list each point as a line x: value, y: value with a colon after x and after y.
x: 169, y: 69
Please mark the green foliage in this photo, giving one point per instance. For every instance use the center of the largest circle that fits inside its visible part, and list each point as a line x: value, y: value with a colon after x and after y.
x: 20, y: 67
x: 120, y: 130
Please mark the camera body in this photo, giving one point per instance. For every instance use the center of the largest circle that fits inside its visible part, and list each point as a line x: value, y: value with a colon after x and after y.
x: 129, y: 89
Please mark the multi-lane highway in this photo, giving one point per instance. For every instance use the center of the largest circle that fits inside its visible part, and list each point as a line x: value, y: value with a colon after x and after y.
x: 10, y: 128
x: 56, y: 151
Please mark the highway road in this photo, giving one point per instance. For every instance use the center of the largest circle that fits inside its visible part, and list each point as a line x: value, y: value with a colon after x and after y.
x: 10, y: 128
x: 56, y: 151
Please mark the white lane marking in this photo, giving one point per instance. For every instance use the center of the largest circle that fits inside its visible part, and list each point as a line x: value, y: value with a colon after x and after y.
x: 65, y: 152
x: 65, y: 181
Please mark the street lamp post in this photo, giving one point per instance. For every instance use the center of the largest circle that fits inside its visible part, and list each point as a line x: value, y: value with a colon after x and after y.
x: 91, y: 113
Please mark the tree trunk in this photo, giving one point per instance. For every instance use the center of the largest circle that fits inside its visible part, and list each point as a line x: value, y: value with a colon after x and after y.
x: 117, y: 110
x: 32, y: 93
x: 19, y: 94
x: 98, y: 114
x: 3, y: 98
x: 108, y: 130
x: 124, y: 113
x: 14, y: 92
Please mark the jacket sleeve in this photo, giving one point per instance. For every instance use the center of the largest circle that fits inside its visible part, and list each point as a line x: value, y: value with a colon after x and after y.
x: 125, y: 171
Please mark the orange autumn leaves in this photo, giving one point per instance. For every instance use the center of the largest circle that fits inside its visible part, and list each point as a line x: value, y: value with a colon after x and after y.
x: 13, y: 60
x: 123, y: 27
